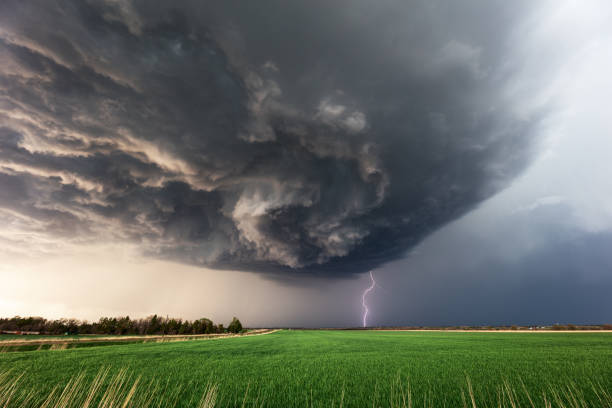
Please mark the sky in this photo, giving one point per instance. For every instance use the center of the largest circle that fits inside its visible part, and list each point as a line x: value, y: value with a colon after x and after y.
x: 212, y: 159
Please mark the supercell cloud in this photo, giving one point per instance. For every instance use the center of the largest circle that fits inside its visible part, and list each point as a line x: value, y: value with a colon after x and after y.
x: 321, y: 138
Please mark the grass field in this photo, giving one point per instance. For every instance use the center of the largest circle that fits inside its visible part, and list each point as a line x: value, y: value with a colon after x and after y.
x: 339, y: 368
x: 4, y: 337
x: 40, y: 343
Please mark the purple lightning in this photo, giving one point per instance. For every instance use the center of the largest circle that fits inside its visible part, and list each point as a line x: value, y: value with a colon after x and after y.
x: 363, y: 297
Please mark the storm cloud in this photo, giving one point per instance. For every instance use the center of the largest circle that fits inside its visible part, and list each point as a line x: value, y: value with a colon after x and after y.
x: 280, y: 137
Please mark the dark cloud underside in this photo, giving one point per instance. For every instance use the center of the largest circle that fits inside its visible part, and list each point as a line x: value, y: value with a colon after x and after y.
x: 266, y: 136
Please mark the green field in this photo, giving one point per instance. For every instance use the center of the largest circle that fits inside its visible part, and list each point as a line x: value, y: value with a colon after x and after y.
x: 352, y: 368
x: 12, y: 343
x: 32, y: 337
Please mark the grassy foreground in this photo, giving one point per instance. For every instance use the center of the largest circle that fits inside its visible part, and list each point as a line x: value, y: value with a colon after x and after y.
x: 321, y: 368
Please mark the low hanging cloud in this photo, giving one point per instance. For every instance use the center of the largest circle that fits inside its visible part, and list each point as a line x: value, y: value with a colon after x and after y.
x: 313, y: 138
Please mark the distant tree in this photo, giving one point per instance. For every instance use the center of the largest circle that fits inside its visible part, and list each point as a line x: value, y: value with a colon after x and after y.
x: 235, y: 326
x: 57, y: 327
x: 209, y: 326
x: 173, y: 326
x: 202, y: 326
x: 196, y: 327
x: 117, y: 325
x: 154, y: 326
x: 125, y: 326
x: 86, y: 328
x: 72, y: 326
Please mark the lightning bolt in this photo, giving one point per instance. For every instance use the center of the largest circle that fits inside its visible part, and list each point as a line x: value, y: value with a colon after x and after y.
x: 363, y: 300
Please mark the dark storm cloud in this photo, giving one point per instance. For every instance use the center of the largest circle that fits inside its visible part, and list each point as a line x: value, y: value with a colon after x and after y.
x: 532, y: 268
x: 264, y: 136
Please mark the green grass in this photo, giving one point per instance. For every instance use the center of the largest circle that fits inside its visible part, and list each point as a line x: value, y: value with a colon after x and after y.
x: 4, y: 337
x: 361, y: 368
x: 13, y: 343
x: 33, y: 338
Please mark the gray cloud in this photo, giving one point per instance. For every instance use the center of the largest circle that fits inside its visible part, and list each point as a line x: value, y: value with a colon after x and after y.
x: 536, y: 266
x: 268, y: 136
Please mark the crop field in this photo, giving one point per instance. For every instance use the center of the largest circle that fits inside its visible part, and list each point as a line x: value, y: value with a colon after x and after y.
x: 38, y: 343
x: 321, y: 369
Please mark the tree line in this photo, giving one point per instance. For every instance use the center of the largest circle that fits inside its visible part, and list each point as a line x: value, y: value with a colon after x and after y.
x: 118, y: 325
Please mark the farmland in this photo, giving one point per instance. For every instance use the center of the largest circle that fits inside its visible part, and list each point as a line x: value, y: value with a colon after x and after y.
x: 38, y: 343
x: 325, y: 368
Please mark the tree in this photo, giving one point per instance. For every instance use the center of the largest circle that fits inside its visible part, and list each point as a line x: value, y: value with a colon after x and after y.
x: 154, y: 325
x: 235, y: 326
